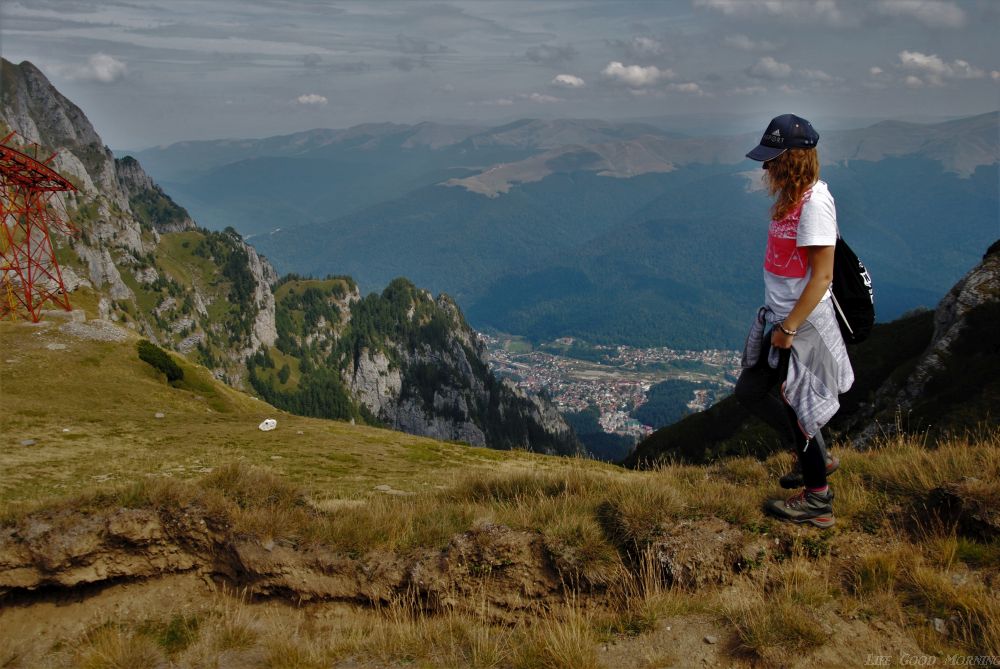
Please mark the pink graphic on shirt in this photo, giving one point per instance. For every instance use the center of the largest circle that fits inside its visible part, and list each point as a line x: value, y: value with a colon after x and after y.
x: 783, y: 256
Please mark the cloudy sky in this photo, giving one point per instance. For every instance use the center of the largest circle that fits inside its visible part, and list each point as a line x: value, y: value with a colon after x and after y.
x: 151, y: 72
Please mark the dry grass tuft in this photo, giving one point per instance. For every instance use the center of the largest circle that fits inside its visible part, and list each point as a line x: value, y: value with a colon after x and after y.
x: 802, y: 580
x: 640, y: 598
x: 633, y: 512
x: 875, y: 573
x: 521, y: 487
x: 558, y: 642
x: 234, y: 627
x: 111, y: 647
x: 580, y: 552
x: 971, y: 609
x: 772, y: 627
x: 907, y: 468
x: 289, y: 649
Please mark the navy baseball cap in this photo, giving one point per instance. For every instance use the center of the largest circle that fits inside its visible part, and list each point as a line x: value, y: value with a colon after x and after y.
x: 787, y: 131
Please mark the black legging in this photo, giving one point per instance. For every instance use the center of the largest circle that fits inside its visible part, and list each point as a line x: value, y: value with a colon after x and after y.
x: 758, y: 390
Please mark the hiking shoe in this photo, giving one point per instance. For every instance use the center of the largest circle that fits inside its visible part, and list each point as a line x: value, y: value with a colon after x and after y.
x: 793, y: 479
x: 805, y: 507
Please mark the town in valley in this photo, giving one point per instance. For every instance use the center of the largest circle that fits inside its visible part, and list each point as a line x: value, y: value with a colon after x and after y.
x: 614, y: 379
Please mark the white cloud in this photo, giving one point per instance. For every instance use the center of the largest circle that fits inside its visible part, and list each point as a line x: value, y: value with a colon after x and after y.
x: 875, y: 71
x: 826, y: 11
x: 746, y: 44
x: 769, y: 68
x: 995, y: 75
x: 913, y: 82
x: 105, y: 68
x: 749, y: 90
x: 635, y: 76
x: 99, y: 67
x: 819, y: 76
x: 509, y: 101
x: 568, y: 81
x: 499, y: 102
x: 932, y: 13
x: 686, y: 87
x: 962, y: 70
x: 541, y: 98
x: 311, y: 99
x: 931, y: 64
x: 936, y: 70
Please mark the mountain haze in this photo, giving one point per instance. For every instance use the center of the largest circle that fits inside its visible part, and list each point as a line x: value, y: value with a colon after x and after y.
x: 521, y: 223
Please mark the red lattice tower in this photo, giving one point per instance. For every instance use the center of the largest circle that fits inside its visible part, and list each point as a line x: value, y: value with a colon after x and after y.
x: 29, y: 273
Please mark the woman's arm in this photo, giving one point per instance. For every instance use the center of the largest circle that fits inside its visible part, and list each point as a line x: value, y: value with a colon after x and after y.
x: 821, y: 264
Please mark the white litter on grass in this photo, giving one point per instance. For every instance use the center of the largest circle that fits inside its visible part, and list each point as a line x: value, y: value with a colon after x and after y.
x: 268, y: 425
x: 160, y: 414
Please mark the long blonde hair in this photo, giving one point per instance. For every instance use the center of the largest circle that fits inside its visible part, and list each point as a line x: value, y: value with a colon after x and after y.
x: 788, y: 177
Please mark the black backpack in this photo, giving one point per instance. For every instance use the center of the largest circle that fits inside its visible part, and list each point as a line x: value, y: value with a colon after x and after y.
x: 853, y: 298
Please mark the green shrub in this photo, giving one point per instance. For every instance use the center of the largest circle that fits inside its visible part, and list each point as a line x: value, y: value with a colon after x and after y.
x: 160, y: 359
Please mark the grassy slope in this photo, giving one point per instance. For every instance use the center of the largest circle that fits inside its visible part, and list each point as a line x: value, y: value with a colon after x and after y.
x: 90, y: 409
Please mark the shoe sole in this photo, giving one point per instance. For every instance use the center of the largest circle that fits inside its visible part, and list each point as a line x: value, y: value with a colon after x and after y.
x: 791, y: 485
x: 822, y: 522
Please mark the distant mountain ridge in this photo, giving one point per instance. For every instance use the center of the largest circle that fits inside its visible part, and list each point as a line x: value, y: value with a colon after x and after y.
x: 960, y: 145
x: 615, y: 233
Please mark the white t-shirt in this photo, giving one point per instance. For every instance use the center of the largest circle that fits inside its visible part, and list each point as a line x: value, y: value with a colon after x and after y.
x: 786, y: 262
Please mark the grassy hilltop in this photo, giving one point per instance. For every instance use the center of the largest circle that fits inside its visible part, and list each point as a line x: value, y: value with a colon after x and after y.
x: 149, y: 524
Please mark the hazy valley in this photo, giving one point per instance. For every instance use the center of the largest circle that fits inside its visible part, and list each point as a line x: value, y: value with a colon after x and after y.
x: 614, y: 233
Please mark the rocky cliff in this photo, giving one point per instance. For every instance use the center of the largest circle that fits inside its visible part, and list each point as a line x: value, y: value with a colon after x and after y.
x: 955, y: 382
x: 143, y: 280
x: 402, y: 359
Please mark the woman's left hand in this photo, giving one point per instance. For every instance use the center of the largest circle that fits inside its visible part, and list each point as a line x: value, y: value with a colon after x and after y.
x: 781, y: 340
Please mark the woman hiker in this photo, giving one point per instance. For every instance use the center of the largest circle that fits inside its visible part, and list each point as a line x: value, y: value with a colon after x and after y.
x: 795, y: 363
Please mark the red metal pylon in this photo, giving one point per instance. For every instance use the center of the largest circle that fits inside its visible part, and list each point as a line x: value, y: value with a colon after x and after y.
x: 29, y: 272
